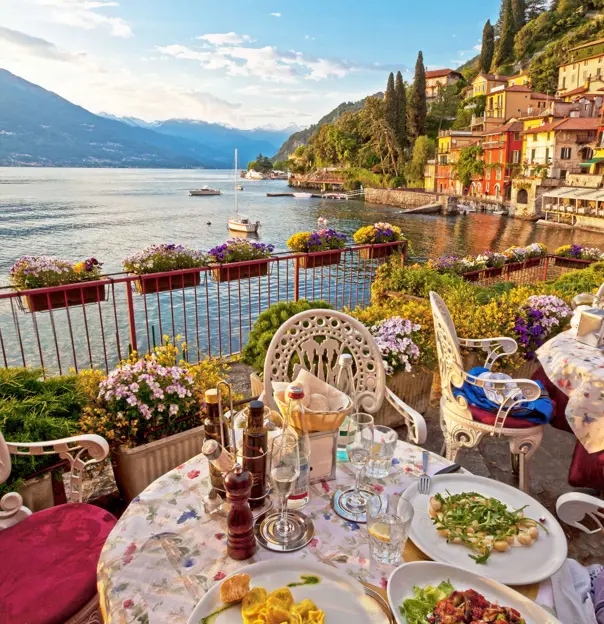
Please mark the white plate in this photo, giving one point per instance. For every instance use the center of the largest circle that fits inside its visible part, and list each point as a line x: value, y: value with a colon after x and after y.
x: 517, y: 566
x: 338, y: 594
x: 422, y: 573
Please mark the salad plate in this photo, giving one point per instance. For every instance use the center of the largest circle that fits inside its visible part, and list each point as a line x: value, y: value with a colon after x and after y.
x: 518, y: 565
x: 429, y: 574
x: 339, y: 595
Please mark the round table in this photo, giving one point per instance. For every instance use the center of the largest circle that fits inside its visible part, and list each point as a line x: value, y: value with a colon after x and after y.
x: 165, y: 552
x: 578, y: 370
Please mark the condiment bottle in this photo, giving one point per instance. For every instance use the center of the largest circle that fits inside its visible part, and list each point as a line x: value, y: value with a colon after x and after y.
x: 241, y: 543
x: 214, y: 430
x: 345, y: 384
x: 218, y: 457
x: 255, y: 444
x: 295, y: 416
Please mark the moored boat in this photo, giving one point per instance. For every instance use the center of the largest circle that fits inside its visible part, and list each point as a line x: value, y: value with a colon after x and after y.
x: 302, y: 195
x: 241, y: 223
x: 204, y: 190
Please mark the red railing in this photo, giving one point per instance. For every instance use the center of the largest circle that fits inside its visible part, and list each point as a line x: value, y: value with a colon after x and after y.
x: 96, y: 324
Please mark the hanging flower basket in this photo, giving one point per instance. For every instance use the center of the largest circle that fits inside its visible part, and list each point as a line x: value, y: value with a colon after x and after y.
x: 572, y: 263
x: 86, y: 293
x: 319, y: 260
x: 147, y: 284
x: 229, y: 273
x: 376, y: 253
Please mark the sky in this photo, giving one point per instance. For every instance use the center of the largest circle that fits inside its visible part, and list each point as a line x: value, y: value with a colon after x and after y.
x: 241, y: 63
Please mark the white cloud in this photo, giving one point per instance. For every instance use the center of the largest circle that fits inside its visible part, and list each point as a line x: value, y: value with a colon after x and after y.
x: 477, y: 47
x: 23, y: 43
x: 230, y: 38
x: 309, y: 38
x: 275, y: 14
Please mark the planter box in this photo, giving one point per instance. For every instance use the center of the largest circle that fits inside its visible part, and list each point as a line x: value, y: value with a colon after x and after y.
x: 572, y: 263
x: 37, y: 493
x: 413, y: 388
x: 375, y: 253
x: 512, y: 267
x: 319, y: 260
x: 229, y: 273
x: 532, y: 262
x: 472, y: 276
x: 491, y: 272
x: 149, y: 285
x: 89, y: 293
x: 136, y: 468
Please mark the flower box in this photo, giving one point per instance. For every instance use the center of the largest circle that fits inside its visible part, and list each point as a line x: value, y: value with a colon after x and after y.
x: 572, y: 263
x: 512, y: 267
x: 532, y: 262
x: 318, y: 260
x: 375, y: 253
x: 230, y: 273
x: 491, y: 272
x: 136, y: 468
x: 147, y: 284
x: 87, y: 293
x: 413, y: 388
x: 473, y: 276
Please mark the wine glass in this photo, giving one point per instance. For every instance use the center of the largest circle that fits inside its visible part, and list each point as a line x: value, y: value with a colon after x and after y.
x: 285, y: 470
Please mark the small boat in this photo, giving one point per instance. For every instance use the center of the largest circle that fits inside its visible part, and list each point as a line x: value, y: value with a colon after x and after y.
x: 241, y: 223
x: 239, y: 187
x: 335, y: 196
x: 254, y: 175
x: 499, y: 212
x: 204, y: 190
x: 322, y: 221
x: 302, y: 195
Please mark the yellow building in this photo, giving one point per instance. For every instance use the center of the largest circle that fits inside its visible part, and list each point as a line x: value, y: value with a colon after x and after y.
x: 585, y: 65
x: 429, y: 173
x: 516, y: 101
x: 520, y: 80
x: 438, y: 78
x: 484, y: 83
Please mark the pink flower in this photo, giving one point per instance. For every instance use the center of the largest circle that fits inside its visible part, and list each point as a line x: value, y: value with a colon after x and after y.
x: 127, y: 604
x: 219, y: 576
x: 314, y: 542
x: 378, y: 488
x: 362, y: 560
x: 192, y: 474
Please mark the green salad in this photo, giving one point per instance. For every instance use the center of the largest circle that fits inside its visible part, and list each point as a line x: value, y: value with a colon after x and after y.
x: 417, y: 609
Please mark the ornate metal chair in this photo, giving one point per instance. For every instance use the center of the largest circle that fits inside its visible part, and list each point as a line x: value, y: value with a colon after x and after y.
x: 49, y: 559
x: 574, y: 507
x: 464, y: 425
x: 314, y: 340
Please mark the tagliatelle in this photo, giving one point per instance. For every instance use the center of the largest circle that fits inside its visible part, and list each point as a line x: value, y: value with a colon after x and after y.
x: 260, y: 607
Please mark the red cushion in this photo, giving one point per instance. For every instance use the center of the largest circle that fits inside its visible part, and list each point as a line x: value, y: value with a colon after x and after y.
x: 560, y: 400
x: 48, y: 563
x: 488, y: 418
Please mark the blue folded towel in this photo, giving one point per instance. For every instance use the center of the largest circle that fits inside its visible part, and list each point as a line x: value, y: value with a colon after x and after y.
x: 539, y: 411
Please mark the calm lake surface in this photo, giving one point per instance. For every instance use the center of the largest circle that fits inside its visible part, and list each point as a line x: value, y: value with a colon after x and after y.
x: 109, y: 213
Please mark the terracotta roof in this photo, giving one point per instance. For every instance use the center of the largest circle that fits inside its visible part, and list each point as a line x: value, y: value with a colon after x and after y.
x: 535, y: 95
x: 510, y: 126
x: 546, y: 127
x: 437, y: 73
x: 579, y: 123
x: 586, y: 45
x: 576, y: 91
x: 521, y: 88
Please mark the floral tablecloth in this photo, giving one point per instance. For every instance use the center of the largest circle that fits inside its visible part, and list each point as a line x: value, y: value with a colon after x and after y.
x: 165, y: 552
x: 578, y: 370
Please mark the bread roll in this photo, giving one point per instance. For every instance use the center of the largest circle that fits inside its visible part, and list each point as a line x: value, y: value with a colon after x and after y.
x: 318, y: 403
x: 235, y: 588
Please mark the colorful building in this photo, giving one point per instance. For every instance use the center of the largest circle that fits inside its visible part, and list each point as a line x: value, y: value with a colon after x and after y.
x: 450, y: 143
x: 583, y: 70
x: 521, y: 80
x: 438, y: 78
x: 485, y: 83
x: 503, y: 103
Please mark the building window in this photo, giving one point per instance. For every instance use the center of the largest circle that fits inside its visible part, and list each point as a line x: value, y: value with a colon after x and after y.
x: 498, y: 173
x: 565, y: 153
x: 534, y: 137
x: 584, y: 75
x: 564, y: 82
x: 490, y: 155
x: 547, y: 160
x: 516, y: 136
x: 533, y: 155
x: 516, y: 156
x: 486, y: 188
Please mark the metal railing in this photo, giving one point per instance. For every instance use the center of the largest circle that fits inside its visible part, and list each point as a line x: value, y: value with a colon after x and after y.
x: 96, y: 324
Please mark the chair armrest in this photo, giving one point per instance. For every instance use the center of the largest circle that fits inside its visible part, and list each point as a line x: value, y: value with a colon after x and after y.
x: 12, y: 510
x: 494, y: 347
x: 417, y: 432
x: 573, y: 507
x: 73, y: 449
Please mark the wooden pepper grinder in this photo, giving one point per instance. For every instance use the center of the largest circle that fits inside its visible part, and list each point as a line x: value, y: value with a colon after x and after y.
x: 241, y: 543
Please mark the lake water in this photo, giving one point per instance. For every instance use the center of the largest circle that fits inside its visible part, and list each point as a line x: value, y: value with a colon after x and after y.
x: 109, y: 213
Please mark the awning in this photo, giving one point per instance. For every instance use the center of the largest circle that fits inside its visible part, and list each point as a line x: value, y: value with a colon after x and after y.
x: 590, y: 162
x: 568, y: 192
x: 594, y: 195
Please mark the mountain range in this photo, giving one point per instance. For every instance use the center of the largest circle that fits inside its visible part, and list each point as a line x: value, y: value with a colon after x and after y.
x: 40, y: 128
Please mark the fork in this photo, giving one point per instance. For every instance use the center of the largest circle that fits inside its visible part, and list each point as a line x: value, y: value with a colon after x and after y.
x: 425, y: 482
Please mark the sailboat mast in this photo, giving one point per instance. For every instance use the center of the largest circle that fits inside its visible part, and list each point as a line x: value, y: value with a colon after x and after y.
x: 236, y: 189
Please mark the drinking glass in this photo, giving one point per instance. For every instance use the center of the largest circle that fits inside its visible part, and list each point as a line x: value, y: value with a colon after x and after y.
x: 359, y: 439
x: 388, y: 524
x: 382, y: 452
x: 285, y: 470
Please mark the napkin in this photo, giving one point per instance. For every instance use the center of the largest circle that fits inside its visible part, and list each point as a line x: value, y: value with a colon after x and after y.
x: 336, y: 400
x: 572, y: 594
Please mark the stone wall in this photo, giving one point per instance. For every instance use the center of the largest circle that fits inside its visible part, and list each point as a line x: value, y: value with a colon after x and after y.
x: 527, y: 193
x: 402, y: 198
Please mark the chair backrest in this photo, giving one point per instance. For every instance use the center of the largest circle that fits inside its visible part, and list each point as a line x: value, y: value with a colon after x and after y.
x: 574, y: 507
x: 314, y: 340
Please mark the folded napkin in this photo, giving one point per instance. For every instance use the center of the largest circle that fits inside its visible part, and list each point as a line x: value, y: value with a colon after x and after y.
x: 598, y: 588
x: 572, y: 594
x: 539, y: 411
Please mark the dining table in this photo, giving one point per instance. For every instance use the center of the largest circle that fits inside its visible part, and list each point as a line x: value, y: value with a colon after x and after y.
x: 166, y: 552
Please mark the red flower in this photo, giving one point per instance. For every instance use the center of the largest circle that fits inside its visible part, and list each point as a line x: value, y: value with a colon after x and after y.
x: 378, y: 488
x: 314, y: 542
x: 383, y: 582
x: 407, y: 469
x: 192, y: 474
x: 127, y: 604
x: 219, y: 536
x: 362, y: 560
x: 219, y: 576
x: 325, y: 486
x: 180, y: 467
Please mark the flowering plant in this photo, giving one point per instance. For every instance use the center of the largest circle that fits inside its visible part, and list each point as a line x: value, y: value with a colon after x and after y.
x: 516, y: 254
x: 393, y: 338
x: 377, y: 233
x: 239, y: 250
x: 469, y: 264
x: 322, y: 240
x: 536, y: 250
x: 538, y: 320
x: 160, y: 258
x: 445, y: 264
x: 580, y: 253
x: 43, y: 271
x: 492, y: 259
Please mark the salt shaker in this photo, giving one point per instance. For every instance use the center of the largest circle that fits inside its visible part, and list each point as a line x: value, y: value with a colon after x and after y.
x: 241, y: 543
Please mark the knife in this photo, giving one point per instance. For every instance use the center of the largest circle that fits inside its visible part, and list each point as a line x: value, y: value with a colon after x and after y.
x: 448, y: 469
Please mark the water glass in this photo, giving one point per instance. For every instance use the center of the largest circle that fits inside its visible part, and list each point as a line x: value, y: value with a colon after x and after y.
x: 382, y: 452
x: 388, y: 523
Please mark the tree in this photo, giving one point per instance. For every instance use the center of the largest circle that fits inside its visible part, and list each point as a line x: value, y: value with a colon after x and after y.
x: 488, y: 47
x: 401, y: 103
x: 505, y: 47
x: 470, y: 163
x: 262, y: 164
x: 534, y: 8
x: 416, y: 108
x: 443, y: 110
x: 519, y: 12
x: 390, y: 105
x: 423, y: 151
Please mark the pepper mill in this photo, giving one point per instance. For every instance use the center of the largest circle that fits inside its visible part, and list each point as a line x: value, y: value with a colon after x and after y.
x: 241, y: 543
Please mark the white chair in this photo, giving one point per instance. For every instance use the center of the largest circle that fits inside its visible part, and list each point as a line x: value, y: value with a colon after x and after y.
x: 48, y: 568
x: 314, y: 340
x: 574, y: 507
x: 464, y: 426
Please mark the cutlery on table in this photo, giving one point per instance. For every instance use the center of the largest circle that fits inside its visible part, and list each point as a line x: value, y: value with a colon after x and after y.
x: 425, y: 482
x: 448, y: 469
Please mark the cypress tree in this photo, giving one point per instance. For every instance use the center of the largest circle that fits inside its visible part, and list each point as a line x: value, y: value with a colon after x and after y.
x: 488, y: 47
x: 416, y: 109
x: 505, y: 48
x: 534, y: 8
x: 401, y: 104
x: 519, y: 12
x: 390, y: 107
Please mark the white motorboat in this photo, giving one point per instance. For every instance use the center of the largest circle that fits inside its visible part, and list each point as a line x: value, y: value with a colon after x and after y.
x: 335, y: 196
x: 239, y: 187
x: 204, y: 190
x: 254, y: 175
x: 322, y: 221
x: 302, y: 195
x: 241, y: 223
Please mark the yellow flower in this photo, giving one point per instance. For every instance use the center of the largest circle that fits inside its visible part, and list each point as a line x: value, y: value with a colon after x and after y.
x: 79, y: 267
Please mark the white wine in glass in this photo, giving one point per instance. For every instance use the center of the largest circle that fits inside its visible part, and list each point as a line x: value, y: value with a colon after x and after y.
x: 285, y: 470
